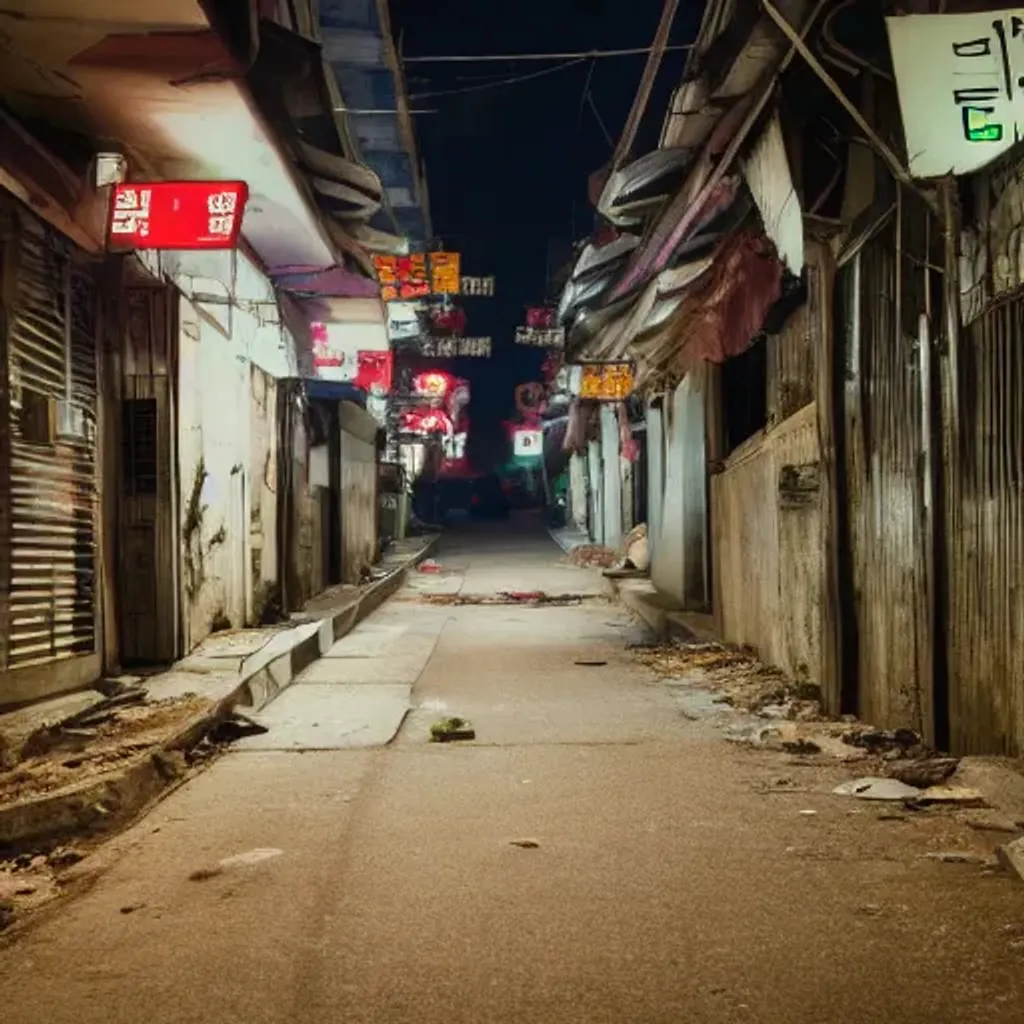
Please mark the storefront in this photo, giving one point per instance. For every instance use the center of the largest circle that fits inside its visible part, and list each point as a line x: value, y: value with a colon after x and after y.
x: 50, y: 612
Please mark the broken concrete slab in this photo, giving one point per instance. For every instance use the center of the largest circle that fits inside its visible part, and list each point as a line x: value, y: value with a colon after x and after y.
x: 17, y: 726
x: 100, y: 803
x: 315, y: 716
x: 1011, y: 856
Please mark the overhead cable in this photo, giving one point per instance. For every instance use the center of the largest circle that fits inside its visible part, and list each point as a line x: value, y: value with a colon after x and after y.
x: 512, y: 80
x: 571, y: 56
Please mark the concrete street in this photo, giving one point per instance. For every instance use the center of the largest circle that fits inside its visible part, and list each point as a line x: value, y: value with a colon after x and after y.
x: 376, y: 878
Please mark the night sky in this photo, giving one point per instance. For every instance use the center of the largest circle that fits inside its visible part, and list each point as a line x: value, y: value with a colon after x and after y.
x: 507, y: 166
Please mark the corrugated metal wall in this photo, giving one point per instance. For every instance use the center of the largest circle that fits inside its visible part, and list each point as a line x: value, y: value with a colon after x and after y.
x: 985, y: 534
x: 883, y: 294
x: 53, y: 491
x: 790, y: 353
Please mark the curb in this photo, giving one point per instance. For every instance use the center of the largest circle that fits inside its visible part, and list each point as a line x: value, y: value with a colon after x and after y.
x: 665, y: 623
x: 105, y: 804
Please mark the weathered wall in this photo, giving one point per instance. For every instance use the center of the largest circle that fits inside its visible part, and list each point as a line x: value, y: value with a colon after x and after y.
x: 984, y: 533
x: 263, y: 473
x: 230, y: 353
x: 578, y: 491
x: 655, y: 475
x: 213, y: 459
x: 358, y: 491
x: 679, y: 565
x: 766, y: 542
x: 595, y: 495
x: 881, y: 301
x: 611, y: 489
x: 300, y: 505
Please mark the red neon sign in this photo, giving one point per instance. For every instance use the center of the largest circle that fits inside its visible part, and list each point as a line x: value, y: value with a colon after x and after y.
x: 177, y: 215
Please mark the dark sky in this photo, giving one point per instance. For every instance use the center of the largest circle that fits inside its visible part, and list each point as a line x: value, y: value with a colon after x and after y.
x: 507, y: 166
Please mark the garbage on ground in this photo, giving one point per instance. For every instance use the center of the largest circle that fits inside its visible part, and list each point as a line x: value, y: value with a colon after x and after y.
x: 529, y: 598
x: 883, y: 741
x: 959, y: 857
x: 924, y: 772
x: 957, y: 795
x: 450, y: 730
x: 430, y: 566
x: 872, y: 788
x: 592, y: 556
x: 236, y: 727
x: 877, y: 789
x: 526, y: 844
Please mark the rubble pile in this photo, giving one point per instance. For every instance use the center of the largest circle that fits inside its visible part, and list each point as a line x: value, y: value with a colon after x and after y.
x: 119, y: 729
x: 737, y: 677
x: 593, y: 556
x: 533, y: 598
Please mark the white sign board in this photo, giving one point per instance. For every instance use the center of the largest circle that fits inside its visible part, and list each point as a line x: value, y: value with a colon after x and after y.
x: 960, y: 79
x: 528, y: 442
x: 541, y: 337
x: 454, y: 348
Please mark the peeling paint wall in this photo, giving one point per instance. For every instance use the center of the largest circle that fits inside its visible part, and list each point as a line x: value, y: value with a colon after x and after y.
x: 766, y: 540
x: 263, y: 472
x: 230, y: 353
x: 358, y: 491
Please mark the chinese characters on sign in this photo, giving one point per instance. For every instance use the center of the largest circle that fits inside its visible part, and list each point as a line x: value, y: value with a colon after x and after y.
x: 960, y: 79
x: 177, y: 215
x: 130, y: 215
x: 482, y: 286
x: 402, y: 277
x: 452, y: 348
x: 606, y: 382
x: 541, y: 337
x: 445, y: 268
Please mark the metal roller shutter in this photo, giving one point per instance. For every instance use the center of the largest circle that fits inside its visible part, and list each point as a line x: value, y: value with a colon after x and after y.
x: 53, y: 494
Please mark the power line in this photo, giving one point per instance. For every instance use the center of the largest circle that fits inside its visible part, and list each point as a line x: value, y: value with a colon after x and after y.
x: 513, y: 80
x: 573, y: 56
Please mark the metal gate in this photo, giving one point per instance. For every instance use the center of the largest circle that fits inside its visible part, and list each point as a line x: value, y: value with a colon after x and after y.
x: 883, y: 293
x: 984, y: 466
x: 51, y: 350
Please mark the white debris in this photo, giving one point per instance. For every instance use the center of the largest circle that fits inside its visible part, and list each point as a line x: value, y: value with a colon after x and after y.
x: 877, y: 789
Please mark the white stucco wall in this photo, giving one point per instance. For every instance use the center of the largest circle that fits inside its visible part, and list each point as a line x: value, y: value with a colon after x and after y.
x: 655, y: 474
x: 229, y: 360
x: 612, y: 482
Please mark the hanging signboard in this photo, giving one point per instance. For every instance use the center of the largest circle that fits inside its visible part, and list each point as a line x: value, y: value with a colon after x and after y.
x: 177, y: 215
x: 403, y: 320
x: 541, y: 337
x: 453, y: 348
x: 605, y: 382
x: 540, y: 318
x: 402, y: 277
x: 451, y: 320
x: 527, y: 442
x: 445, y: 270
x: 479, y: 286
x: 960, y: 79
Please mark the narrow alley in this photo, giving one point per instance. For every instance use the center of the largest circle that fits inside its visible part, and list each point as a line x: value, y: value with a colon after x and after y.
x: 594, y: 855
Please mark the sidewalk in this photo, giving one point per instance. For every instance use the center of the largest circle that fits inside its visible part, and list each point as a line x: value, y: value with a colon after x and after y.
x: 663, y: 616
x: 89, y: 761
